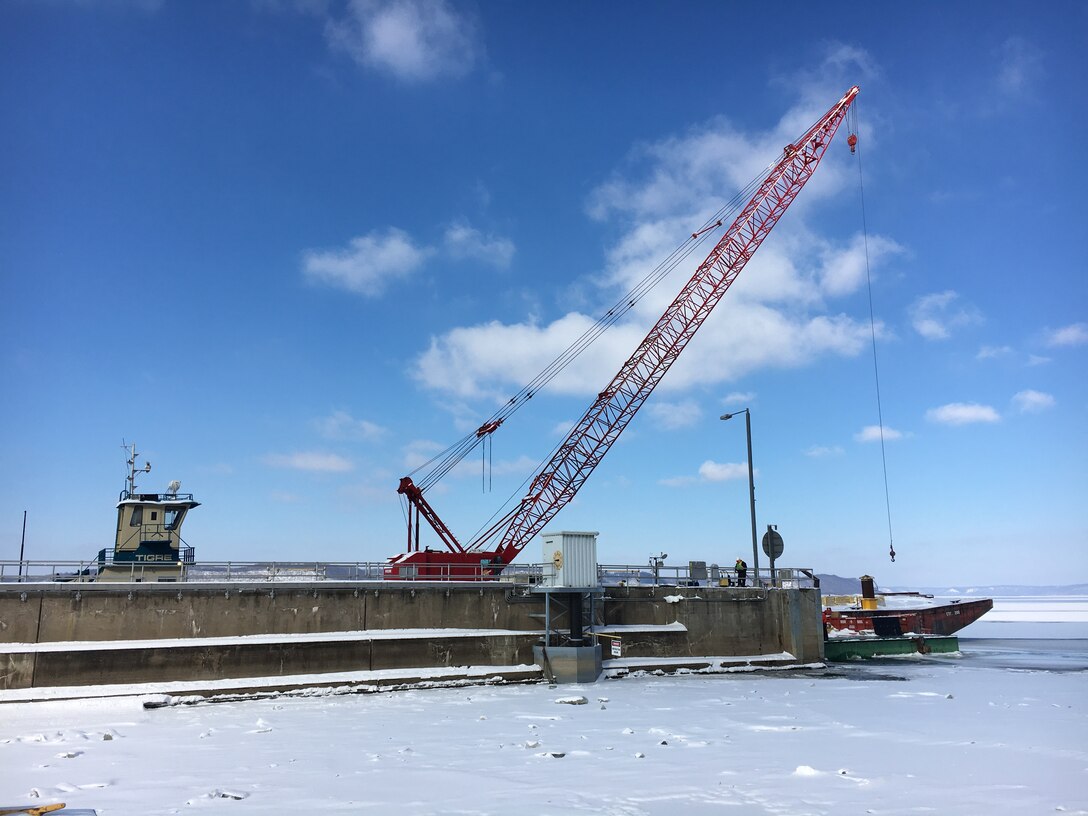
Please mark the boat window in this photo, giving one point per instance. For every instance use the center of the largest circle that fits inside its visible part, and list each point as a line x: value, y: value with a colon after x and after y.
x: 172, y: 518
x: 154, y: 515
x: 137, y: 516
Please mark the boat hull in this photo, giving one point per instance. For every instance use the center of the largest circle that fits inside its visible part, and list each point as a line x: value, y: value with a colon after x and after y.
x: 861, y: 648
x: 945, y: 619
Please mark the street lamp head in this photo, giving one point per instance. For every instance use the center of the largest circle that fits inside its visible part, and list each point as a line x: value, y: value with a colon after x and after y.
x: 730, y: 416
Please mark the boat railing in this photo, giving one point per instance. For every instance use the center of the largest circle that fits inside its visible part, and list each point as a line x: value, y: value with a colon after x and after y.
x: 192, y: 571
x: 155, y: 497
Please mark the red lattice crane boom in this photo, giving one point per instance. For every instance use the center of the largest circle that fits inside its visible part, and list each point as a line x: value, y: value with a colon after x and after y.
x: 560, y: 479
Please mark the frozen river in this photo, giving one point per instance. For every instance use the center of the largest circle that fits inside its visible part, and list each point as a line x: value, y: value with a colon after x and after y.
x: 1001, y: 728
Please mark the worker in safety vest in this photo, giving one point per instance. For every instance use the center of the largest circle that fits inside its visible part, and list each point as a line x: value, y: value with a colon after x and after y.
x: 742, y: 572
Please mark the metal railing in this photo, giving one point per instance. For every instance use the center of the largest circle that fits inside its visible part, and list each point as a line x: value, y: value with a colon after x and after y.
x: 355, y: 571
x: 676, y: 575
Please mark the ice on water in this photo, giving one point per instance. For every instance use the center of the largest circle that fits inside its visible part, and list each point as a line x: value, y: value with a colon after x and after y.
x: 999, y: 729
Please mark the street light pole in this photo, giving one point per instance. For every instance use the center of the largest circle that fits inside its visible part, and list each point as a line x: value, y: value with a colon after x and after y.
x: 751, y: 490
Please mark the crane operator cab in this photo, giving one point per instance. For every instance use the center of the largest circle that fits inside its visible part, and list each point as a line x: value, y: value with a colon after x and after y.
x: 148, y: 545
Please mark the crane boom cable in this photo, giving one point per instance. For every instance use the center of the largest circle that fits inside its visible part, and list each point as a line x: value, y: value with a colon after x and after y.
x: 556, y: 483
x: 479, y: 537
x: 620, y: 308
x: 872, y: 330
x: 559, y: 481
x: 444, y: 461
x: 454, y: 454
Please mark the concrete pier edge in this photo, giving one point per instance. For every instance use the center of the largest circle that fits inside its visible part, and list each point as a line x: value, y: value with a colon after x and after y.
x: 283, y: 630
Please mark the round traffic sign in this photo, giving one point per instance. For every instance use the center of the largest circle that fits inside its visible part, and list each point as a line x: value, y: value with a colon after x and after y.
x: 772, y: 544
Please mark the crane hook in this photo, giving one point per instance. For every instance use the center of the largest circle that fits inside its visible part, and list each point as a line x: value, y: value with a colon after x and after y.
x: 852, y: 140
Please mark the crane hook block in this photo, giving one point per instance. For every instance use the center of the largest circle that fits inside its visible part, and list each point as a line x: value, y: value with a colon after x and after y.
x: 852, y: 140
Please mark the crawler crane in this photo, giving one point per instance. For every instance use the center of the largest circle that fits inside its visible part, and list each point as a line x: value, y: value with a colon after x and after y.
x: 559, y: 479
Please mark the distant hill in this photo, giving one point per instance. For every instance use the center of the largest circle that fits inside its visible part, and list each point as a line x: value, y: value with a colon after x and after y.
x: 1004, y: 590
x: 837, y: 585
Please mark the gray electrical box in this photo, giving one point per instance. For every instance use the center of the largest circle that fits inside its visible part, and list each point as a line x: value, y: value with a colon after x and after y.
x: 570, y: 559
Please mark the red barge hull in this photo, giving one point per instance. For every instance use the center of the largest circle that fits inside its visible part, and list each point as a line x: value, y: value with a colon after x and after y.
x: 945, y: 619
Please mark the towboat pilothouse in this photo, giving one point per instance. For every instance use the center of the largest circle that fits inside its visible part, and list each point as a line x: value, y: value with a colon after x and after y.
x: 148, y: 545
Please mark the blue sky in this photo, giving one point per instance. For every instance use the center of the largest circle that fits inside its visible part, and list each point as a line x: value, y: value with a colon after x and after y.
x: 291, y: 249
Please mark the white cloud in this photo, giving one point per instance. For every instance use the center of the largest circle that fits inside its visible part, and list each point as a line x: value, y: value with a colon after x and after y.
x: 1072, y: 335
x: 368, y: 264
x: 934, y: 316
x: 962, y: 413
x: 1031, y: 402
x: 342, y: 425
x: 419, y: 451
x: 464, y: 241
x: 739, y: 398
x: 993, y: 352
x: 842, y: 270
x: 357, y: 494
x: 775, y: 316
x: 823, y: 451
x: 871, y: 433
x: 849, y: 60
x: 678, y: 481
x: 1037, y: 360
x: 522, y: 466
x: 310, y: 461
x: 563, y: 429
x: 1020, y: 66
x: 316, y: 8
x: 674, y: 415
x: 711, y: 471
x: 413, y: 40
x: 483, y: 359
x: 283, y: 497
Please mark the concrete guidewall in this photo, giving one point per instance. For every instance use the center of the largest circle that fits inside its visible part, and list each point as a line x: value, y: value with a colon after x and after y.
x: 736, y: 621
x: 718, y: 622
x: 32, y: 614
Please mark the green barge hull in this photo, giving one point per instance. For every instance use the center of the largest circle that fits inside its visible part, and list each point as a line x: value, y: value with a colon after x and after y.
x: 857, y: 648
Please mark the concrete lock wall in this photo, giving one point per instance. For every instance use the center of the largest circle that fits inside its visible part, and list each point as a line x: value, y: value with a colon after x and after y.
x: 715, y: 622
x: 737, y: 621
x: 239, y: 660
x: 110, y: 612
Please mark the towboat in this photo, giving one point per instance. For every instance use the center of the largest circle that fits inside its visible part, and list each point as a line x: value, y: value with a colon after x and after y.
x: 148, y: 545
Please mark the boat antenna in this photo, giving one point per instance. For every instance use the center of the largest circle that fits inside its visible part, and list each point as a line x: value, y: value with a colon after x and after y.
x: 132, y: 469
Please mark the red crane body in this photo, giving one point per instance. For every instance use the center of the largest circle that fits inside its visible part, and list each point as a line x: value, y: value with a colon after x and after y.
x: 560, y: 479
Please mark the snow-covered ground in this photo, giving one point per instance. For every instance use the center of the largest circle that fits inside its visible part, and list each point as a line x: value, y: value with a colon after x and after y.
x: 1000, y: 729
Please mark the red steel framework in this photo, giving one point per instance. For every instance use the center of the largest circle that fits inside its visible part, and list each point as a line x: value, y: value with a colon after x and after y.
x: 560, y: 479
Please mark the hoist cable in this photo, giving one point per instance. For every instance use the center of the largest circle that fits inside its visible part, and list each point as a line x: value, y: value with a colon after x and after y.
x: 872, y: 328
